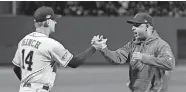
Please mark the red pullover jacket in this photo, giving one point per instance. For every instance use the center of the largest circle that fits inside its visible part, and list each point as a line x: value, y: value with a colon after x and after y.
x: 152, y: 73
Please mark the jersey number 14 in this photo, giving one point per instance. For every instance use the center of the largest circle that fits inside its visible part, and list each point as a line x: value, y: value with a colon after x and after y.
x: 27, y: 60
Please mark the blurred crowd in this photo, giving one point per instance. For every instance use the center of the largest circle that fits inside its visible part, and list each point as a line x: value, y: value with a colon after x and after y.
x: 108, y: 8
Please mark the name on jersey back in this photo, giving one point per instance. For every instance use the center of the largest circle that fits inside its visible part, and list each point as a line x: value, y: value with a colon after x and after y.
x: 31, y: 42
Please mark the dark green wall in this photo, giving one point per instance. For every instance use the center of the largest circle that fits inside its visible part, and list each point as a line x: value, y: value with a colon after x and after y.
x: 75, y: 33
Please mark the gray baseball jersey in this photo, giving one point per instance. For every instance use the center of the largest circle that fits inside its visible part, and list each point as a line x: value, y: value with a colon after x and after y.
x: 37, y: 55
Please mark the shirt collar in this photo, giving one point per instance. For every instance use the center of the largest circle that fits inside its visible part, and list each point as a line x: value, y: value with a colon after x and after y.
x: 38, y: 34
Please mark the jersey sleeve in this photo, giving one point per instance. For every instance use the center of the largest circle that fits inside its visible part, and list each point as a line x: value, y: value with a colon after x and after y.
x: 60, y: 54
x: 17, y: 58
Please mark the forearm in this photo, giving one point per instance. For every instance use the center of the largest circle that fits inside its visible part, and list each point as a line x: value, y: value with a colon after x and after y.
x: 167, y: 63
x: 17, y: 71
x: 81, y: 57
x: 114, y: 56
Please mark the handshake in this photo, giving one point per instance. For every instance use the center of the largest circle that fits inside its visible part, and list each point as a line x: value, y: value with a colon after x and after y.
x: 98, y: 42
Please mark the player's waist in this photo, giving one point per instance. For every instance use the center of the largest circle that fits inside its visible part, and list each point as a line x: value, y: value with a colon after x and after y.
x: 37, y: 85
x: 43, y: 76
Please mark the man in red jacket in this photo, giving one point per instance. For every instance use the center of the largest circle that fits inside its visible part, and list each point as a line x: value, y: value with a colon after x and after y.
x: 151, y: 58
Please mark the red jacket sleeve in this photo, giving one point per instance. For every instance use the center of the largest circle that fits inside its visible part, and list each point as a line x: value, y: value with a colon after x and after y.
x: 119, y: 56
x: 165, y: 59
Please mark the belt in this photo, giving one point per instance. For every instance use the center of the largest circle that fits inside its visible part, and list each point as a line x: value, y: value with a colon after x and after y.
x: 45, y: 87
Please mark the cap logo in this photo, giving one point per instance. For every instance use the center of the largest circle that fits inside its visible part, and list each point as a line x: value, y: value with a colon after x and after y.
x: 48, y: 16
x: 145, y: 20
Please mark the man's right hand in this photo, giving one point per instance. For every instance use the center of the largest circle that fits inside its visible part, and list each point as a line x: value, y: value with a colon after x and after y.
x: 98, y: 42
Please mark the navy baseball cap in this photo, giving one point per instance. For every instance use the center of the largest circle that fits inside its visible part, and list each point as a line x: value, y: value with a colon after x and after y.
x: 43, y: 13
x: 141, y: 18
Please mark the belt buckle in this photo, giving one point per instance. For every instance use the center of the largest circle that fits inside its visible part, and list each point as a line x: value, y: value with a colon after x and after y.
x: 45, y: 87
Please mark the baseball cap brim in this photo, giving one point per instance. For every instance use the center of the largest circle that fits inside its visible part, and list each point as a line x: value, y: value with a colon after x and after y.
x: 133, y: 21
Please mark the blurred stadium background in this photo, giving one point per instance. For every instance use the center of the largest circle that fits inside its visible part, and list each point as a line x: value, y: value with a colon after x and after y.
x: 80, y: 22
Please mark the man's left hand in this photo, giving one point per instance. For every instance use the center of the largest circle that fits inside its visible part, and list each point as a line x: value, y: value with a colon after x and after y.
x: 137, y: 56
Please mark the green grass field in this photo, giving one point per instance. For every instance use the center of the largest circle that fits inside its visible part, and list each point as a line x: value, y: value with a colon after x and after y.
x: 91, y: 79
